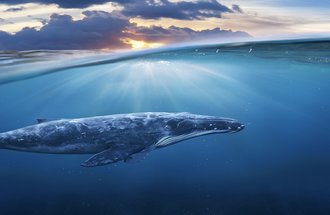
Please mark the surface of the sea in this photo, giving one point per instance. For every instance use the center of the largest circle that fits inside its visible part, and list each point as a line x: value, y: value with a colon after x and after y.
x: 279, y: 164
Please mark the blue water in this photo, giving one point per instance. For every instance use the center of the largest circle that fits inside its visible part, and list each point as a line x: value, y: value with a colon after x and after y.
x: 279, y: 164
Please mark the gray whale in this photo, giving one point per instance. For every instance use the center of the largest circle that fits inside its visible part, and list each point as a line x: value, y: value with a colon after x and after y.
x: 114, y: 138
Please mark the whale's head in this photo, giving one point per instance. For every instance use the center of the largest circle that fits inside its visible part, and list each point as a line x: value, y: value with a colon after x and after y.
x: 186, y: 126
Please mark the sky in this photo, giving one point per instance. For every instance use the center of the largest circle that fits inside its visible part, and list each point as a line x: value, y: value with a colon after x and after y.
x: 134, y: 24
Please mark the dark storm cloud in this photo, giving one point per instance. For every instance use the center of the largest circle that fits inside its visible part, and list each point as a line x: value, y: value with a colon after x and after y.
x: 148, y: 9
x: 97, y: 30
x: 63, y: 3
x: 100, y: 30
x: 177, y: 10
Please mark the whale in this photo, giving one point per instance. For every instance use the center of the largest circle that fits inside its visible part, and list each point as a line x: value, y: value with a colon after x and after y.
x: 114, y: 138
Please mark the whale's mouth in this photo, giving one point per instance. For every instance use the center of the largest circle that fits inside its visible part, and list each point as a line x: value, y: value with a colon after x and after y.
x: 169, y: 140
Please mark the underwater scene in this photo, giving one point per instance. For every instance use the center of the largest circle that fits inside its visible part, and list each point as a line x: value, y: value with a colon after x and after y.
x: 278, y: 91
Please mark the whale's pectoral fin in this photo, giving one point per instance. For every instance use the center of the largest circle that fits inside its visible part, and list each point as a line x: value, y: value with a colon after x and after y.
x: 105, y: 157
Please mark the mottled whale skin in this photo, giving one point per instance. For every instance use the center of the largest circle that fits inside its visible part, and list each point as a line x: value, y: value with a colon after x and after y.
x: 114, y: 138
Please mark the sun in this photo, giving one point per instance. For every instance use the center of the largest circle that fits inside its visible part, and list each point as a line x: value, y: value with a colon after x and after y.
x: 139, y: 44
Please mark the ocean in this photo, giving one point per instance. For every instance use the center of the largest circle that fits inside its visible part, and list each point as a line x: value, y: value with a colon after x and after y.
x: 279, y: 164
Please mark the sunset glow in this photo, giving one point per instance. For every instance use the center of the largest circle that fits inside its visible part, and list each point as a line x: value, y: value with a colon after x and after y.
x: 136, y: 44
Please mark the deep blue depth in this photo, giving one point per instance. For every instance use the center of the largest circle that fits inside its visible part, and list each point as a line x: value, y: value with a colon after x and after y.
x: 279, y: 164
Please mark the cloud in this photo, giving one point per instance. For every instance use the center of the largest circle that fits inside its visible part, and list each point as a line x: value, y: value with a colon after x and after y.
x: 64, y: 3
x: 148, y: 9
x: 4, y: 21
x: 175, y: 34
x: 183, y: 10
x: 14, y: 9
x: 100, y: 30
x: 237, y: 8
x: 97, y: 30
x: 43, y: 21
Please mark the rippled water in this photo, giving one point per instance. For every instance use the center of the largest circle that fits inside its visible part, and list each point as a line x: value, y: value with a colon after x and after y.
x: 279, y: 164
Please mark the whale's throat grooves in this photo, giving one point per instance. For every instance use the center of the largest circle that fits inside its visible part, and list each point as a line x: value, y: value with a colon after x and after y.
x: 169, y: 140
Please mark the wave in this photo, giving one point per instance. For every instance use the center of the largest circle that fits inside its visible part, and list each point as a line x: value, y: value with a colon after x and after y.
x: 21, y: 65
